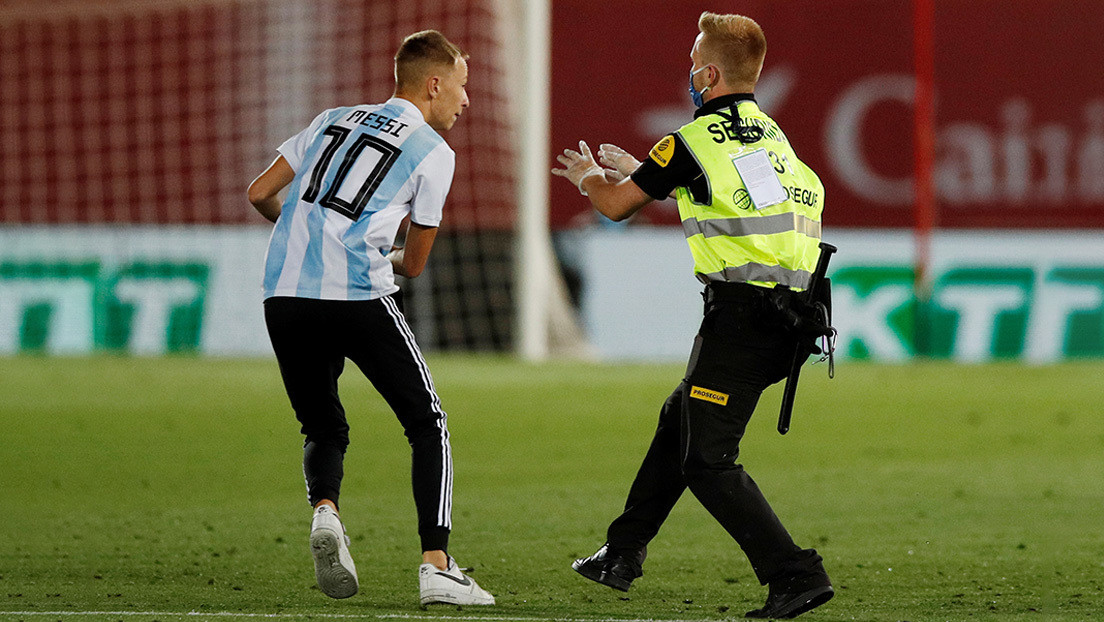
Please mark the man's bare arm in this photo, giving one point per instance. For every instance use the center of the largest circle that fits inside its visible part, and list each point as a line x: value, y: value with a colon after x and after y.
x: 410, y: 260
x: 264, y: 191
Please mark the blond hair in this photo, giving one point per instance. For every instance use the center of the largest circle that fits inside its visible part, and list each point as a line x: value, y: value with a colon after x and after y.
x: 734, y: 43
x: 421, y: 53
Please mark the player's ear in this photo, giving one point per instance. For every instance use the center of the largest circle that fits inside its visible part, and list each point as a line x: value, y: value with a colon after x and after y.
x: 433, y: 86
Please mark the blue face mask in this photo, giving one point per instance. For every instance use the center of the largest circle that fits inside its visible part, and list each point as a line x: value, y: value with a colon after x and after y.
x: 695, y: 94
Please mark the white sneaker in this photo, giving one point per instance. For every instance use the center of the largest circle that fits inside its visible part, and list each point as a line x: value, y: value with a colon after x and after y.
x: 450, y: 586
x: 333, y: 566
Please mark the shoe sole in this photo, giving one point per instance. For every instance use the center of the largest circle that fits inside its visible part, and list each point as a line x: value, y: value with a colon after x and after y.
x: 441, y: 597
x: 806, y: 601
x: 603, y: 577
x: 333, y: 579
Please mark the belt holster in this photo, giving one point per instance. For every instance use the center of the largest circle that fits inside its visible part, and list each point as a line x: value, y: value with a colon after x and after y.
x: 793, y: 311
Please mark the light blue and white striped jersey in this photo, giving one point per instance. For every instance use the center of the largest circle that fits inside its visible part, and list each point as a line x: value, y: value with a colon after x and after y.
x: 358, y: 172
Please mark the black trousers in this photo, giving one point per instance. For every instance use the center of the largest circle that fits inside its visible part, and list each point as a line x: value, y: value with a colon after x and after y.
x: 312, y: 339
x: 740, y: 350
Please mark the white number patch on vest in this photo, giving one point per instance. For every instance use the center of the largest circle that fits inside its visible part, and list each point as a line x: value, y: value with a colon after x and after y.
x: 759, y: 178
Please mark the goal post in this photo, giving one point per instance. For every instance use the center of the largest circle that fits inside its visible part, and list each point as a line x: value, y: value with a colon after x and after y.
x: 545, y: 324
x: 534, y: 261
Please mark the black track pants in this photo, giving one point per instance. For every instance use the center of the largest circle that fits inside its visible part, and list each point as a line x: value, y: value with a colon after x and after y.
x: 312, y: 339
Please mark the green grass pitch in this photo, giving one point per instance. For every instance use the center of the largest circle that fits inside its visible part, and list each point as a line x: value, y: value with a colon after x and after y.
x: 170, y: 489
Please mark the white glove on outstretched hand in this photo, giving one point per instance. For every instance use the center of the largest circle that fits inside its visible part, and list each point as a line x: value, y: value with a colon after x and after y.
x: 613, y: 176
x: 618, y: 159
x: 578, y: 165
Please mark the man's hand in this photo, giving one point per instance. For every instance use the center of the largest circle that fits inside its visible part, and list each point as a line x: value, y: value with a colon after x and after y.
x: 578, y: 165
x: 621, y: 162
x: 615, y: 197
x: 618, y: 159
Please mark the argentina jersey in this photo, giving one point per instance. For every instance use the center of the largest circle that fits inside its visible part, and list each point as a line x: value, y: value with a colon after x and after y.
x: 359, y: 171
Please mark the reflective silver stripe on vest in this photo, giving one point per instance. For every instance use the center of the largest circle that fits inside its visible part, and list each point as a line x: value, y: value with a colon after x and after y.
x: 759, y: 272
x: 751, y: 225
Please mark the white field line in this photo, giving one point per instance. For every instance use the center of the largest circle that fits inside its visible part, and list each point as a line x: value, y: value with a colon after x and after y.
x: 328, y: 616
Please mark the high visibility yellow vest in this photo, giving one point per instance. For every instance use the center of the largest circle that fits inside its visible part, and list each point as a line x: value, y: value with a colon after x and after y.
x: 729, y: 237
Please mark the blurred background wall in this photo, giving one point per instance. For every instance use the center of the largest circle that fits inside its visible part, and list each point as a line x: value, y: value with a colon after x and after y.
x: 129, y: 130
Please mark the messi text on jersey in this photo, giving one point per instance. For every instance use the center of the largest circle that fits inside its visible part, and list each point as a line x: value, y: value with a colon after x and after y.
x: 376, y: 121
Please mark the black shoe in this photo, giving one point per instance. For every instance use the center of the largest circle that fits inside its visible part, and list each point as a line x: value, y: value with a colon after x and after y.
x: 616, y: 570
x: 792, y: 604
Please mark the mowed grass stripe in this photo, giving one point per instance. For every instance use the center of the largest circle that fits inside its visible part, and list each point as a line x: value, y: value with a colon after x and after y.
x: 310, y: 616
x: 934, y: 491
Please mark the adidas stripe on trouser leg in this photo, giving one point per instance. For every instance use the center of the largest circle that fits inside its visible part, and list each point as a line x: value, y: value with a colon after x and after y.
x: 311, y: 335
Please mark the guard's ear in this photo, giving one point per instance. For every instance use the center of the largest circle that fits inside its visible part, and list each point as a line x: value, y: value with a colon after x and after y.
x: 433, y: 86
x: 714, y: 75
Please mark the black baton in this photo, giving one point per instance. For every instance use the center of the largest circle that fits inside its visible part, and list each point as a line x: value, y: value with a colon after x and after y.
x: 801, y: 354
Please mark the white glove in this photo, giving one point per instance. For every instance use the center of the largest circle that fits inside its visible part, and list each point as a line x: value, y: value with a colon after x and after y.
x: 578, y: 165
x: 618, y: 159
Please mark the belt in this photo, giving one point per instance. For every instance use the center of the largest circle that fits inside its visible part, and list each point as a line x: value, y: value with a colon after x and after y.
x: 724, y: 291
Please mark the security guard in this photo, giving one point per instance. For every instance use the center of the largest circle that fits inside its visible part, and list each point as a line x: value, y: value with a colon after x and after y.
x: 751, y: 213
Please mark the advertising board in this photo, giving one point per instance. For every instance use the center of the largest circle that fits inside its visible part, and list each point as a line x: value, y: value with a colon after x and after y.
x: 1034, y: 297
x: 131, y: 289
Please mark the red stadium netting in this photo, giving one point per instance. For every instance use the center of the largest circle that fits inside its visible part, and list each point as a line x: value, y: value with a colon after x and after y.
x: 162, y: 112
